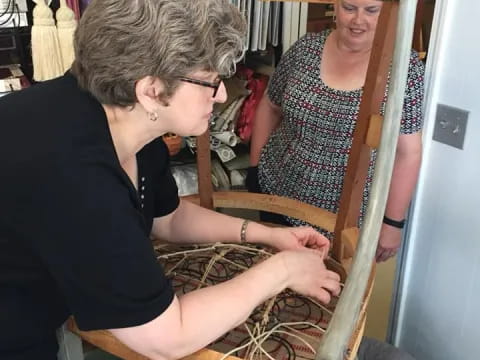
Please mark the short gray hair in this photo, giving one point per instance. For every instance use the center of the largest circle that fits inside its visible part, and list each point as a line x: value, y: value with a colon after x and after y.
x: 118, y: 42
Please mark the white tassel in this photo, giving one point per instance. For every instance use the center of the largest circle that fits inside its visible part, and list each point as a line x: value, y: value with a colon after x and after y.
x: 66, y: 25
x: 47, y: 60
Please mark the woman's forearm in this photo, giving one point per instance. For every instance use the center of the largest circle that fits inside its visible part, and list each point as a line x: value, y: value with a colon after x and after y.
x: 196, y: 319
x: 405, y: 176
x: 213, y: 306
x: 191, y: 223
x: 267, y: 118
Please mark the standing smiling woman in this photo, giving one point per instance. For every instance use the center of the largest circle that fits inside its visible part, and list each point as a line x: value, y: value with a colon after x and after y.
x: 305, y: 122
x: 85, y: 183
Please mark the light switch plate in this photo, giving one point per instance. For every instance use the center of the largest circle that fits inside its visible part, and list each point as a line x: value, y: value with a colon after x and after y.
x: 450, y: 125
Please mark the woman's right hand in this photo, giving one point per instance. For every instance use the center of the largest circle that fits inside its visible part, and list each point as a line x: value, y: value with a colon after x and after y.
x: 201, y: 316
x: 307, y: 274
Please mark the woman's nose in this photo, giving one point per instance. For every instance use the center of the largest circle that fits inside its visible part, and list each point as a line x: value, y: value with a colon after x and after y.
x: 358, y: 17
x: 221, y: 95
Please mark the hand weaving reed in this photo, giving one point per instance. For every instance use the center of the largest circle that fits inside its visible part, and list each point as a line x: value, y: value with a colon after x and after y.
x: 349, y: 318
x: 287, y: 326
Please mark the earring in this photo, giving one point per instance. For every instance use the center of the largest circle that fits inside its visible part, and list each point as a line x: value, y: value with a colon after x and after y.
x: 153, y: 116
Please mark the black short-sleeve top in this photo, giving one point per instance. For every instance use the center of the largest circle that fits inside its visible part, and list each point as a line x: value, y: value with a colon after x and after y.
x: 74, y: 231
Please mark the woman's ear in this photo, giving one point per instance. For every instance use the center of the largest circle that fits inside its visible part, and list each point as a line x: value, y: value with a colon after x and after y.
x: 149, y: 90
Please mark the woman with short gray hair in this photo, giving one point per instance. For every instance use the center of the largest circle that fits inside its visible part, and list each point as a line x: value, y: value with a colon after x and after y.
x: 127, y: 40
x: 85, y: 184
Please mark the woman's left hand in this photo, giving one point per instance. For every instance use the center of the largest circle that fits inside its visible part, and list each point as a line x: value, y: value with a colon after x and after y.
x: 295, y: 238
x: 388, y: 243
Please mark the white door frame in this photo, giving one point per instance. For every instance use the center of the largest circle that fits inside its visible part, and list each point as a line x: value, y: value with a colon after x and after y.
x: 434, y: 64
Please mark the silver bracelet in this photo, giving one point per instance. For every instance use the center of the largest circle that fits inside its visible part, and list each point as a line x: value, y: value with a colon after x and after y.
x: 243, y: 231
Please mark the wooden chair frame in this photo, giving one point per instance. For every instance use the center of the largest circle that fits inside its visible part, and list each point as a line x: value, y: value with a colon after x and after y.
x: 343, y: 224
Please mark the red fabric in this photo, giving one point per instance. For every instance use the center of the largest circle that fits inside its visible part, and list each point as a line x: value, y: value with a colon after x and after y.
x: 24, y: 81
x: 257, y: 85
x: 75, y: 6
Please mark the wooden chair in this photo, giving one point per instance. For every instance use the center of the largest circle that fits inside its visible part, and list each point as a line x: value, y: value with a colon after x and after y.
x: 418, y: 33
x: 343, y: 224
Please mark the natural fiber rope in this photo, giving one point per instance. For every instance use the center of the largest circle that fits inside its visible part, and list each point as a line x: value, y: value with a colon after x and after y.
x: 259, y: 334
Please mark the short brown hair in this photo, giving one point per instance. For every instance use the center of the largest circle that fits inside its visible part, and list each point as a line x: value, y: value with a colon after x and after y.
x: 119, y: 42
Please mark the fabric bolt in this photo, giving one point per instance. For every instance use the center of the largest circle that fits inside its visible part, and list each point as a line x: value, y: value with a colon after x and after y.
x: 257, y: 85
x: 306, y: 156
x: 74, y: 230
x: 75, y: 6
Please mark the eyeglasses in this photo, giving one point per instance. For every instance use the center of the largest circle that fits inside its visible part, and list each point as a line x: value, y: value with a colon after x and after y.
x: 214, y: 85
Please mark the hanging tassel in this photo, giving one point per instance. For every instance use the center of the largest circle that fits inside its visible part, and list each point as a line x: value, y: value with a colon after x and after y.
x: 47, y: 60
x: 66, y: 25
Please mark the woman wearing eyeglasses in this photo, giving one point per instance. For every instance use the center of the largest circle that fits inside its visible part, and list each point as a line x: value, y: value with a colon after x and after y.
x: 85, y: 184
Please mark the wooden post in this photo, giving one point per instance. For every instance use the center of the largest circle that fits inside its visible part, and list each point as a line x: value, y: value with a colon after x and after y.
x: 204, y: 169
x: 418, y: 31
x: 373, y: 95
x: 348, y: 310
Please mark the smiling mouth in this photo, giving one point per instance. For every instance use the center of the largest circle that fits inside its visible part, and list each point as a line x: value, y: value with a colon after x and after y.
x: 357, y: 31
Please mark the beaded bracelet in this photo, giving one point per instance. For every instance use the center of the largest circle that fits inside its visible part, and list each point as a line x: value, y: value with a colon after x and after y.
x: 243, y: 231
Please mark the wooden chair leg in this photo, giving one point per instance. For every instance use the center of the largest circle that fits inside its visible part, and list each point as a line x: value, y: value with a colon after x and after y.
x: 360, y: 152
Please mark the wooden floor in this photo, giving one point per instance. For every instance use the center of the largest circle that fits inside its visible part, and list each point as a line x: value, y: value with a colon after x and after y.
x: 378, y: 310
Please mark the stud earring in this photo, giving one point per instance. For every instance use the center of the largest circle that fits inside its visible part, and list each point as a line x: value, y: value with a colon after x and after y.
x: 153, y: 116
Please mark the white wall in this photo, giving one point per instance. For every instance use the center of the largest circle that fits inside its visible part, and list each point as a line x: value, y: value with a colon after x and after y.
x: 439, y: 316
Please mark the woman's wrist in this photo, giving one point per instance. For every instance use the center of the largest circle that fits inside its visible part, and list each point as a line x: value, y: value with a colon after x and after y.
x: 399, y: 224
x: 284, y: 270
x: 256, y: 233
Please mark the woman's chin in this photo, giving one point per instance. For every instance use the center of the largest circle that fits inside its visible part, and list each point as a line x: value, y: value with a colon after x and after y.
x: 192, y: 131
x: 199, y: 130
x: 204, y: 126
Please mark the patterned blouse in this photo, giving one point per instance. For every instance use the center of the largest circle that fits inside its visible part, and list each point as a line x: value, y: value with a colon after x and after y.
x: 306, y: 156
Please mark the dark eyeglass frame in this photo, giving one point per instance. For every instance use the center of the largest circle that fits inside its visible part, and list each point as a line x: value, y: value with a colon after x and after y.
x: 214, y: 86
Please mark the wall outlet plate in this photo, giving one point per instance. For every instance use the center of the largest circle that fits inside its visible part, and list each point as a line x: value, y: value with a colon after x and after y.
x: 450, y: 125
